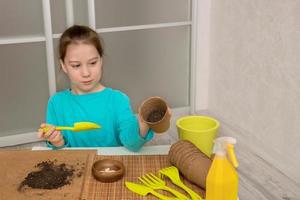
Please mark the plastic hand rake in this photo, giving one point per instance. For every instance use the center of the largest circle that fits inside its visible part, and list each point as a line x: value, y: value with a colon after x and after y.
x: 156, y: 183
x: 173, y: 174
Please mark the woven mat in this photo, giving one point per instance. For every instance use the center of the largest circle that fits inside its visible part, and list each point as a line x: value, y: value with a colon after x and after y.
x: 136, y: 166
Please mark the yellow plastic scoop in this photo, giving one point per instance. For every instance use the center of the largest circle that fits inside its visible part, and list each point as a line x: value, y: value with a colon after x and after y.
x: 78, y: 126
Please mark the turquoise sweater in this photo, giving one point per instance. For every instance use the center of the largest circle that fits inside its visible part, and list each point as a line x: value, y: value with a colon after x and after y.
x: 109, y: 108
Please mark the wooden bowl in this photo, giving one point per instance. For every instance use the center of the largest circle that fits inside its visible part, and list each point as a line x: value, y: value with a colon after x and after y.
x: 108, y: 170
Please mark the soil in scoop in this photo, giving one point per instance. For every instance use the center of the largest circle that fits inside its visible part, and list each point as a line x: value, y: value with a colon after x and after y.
x: 49, y: 176
x: 156, y: 115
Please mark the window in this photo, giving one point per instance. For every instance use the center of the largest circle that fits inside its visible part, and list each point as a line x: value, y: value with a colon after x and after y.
x: 147, y: 48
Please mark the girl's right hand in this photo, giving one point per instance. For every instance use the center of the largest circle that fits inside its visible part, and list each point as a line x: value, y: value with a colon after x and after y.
x: 53, y: 136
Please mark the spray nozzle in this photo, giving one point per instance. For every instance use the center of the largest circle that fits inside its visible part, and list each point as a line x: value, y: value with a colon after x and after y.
x: 225, y: 145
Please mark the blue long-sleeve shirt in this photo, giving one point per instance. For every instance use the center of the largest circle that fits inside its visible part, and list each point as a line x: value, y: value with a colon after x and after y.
x: 109, y: 108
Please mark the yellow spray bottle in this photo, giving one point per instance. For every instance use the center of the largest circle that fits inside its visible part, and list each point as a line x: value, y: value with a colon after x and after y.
x: 222, y: 178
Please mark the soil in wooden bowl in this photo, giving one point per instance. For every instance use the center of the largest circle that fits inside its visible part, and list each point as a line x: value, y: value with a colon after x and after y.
x: 50, y: 175
x: 156, y: 115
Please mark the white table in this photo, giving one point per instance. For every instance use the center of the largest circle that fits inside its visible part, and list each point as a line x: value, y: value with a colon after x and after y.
x: 146, y: 150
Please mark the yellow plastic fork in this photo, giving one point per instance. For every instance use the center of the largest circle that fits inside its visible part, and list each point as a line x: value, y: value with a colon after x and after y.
x: 144, y: 190
x: 154, y: 182
x: 173, y: 174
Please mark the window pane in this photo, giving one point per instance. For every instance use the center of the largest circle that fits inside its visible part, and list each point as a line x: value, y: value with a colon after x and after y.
x: 24, y: 87
x: 149, y: 62
x: 58, y: 16
x: 62, y: 81
x: 58, y: 9
x: 81, y: 12
x: 112, y: 13
x: 19, y: 17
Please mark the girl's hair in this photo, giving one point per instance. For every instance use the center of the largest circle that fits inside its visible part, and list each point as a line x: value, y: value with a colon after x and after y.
x: 76, y: 34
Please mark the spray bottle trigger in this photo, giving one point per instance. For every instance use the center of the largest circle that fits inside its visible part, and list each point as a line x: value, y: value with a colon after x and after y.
x: 231, y: 154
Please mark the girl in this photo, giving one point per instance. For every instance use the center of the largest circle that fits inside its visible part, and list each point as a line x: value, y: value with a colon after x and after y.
x: 81, y: 59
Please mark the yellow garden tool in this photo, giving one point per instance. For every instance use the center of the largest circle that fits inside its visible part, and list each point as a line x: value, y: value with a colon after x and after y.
x: 144, y: 190
x: 173, y: 174
x: 156, y: 183
x: 78, y: 126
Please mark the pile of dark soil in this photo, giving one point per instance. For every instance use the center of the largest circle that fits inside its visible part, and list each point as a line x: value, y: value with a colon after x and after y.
x: 156, y: 115
x: 49, y: 176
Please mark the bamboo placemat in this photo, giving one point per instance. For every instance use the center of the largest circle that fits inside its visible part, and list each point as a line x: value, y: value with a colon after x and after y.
x: 136, y: 166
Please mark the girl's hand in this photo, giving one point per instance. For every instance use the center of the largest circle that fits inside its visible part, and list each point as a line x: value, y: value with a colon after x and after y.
x: 143, y: 126
x: 53, y: 136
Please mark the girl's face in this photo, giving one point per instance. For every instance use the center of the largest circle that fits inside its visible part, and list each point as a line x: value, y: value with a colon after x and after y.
x: 83, y: 66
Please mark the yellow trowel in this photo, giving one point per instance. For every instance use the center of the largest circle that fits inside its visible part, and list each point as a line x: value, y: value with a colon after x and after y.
x: 78, y: 126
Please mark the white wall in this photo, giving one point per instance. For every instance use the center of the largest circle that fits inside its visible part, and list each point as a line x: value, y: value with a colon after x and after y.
x: 254, y: 75
x: 203, y: 53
